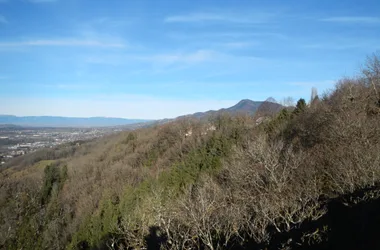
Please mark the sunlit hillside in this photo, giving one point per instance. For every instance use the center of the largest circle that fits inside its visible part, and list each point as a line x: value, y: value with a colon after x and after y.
x: 297, y: 179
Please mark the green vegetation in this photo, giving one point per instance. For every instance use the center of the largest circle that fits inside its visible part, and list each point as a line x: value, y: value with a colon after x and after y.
x: 230, y: 183
x: 54, y: 178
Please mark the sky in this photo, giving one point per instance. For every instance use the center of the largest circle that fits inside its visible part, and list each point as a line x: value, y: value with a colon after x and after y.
x: 153, y: 59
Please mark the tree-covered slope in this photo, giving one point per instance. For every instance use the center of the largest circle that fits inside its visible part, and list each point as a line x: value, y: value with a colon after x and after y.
x: 305, y: 178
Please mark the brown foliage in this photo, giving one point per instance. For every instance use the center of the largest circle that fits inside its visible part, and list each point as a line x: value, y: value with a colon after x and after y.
x: 267, y: 183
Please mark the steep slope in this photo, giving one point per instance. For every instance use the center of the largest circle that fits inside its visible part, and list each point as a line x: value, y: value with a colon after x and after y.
x: 307, y: 178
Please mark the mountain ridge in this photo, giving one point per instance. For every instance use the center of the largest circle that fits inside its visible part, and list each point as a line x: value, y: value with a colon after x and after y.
x: 244, y: 106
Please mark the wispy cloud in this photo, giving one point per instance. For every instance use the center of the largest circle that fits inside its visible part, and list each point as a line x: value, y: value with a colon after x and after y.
x: 344, y: 44
x: 63, y: 42
x: 227, y: 36
x: 238, y: 45
x: 3, y: 19
x: 107, y: 22
x: 163, y: 59
x: 256, y: 18
x: 42, y: 1
x: 192, y: 57
x: 310, y: 84
x: 353, y: 19
x: 71, y: 86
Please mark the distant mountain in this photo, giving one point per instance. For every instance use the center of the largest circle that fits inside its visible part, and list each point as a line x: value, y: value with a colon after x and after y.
x: 5, y: 127
x: 9, y: 126
x: 245, y: 106
x: 269, y: 107
x: 58, y: 121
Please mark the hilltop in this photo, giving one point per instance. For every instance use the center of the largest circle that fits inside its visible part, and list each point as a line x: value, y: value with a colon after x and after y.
x: 245, y: 106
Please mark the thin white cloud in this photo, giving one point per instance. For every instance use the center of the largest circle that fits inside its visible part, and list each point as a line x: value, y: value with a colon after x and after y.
x: 308, y: 84
x: 3, y: 19
x: 196, y: 17
x: 72, y: 86
x: 163, y: 59
x: 108, y: 22
x: 256, y: 18
x: 246, y: 37
x: 353, y: 19
x: 344, y: 44
x: 106, y: 59
x: 188, y: 58
x: 64, y: 43
x: 42, y: 1
x: 165, y: 63
x: 238, y: 45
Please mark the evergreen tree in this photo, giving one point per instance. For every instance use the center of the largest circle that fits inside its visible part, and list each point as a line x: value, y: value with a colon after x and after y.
x: 300, y: 107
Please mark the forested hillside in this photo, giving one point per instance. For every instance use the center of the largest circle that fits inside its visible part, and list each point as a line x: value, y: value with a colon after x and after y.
x: 304, y: 178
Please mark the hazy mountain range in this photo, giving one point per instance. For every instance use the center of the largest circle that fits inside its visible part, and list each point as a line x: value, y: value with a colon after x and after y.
x: 245, y: 106
x: 58, y: 121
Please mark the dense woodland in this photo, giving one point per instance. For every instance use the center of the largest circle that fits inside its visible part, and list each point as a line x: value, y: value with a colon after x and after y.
x: 293, y: 181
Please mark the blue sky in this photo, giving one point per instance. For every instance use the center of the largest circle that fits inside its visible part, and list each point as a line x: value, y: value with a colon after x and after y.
x: 156, y: 59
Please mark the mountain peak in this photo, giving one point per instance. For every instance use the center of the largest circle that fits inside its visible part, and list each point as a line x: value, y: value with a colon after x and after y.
x: 245, y: 105
x: 271, y: 99
x: 245, y: 101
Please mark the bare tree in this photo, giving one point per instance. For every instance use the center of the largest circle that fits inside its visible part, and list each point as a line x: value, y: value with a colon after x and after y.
x: 371, y: 71
x: 314, y: 94
x: 287, y: 101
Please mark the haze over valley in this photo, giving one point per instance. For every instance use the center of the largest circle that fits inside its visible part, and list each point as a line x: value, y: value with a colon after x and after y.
x: 22, y: 135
